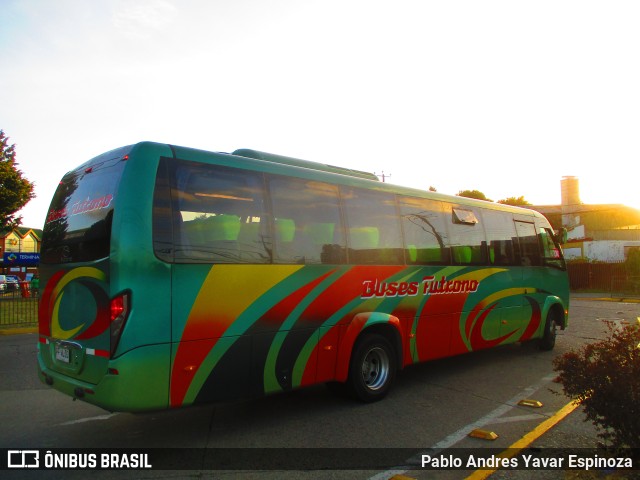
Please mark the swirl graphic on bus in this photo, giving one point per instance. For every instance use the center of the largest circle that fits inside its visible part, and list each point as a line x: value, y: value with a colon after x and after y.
x: 87, y: 278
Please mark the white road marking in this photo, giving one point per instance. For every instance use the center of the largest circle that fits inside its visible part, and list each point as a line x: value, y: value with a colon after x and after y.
x: 523, y: 418
x: 87, y: 419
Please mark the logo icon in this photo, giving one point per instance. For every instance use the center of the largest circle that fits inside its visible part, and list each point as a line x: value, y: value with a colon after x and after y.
x: 23, y: 459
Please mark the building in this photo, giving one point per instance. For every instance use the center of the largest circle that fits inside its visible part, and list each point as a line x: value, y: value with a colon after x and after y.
x: 20, y: 249
x: 602, y: 233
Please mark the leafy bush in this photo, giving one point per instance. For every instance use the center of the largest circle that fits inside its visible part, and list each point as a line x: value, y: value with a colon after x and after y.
x: 605, y: 378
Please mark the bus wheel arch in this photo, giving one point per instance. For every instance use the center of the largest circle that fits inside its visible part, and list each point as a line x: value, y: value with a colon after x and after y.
x: 553, y: 321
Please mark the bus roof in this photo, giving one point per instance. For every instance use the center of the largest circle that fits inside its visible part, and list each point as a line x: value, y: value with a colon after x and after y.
x: 296, y: 162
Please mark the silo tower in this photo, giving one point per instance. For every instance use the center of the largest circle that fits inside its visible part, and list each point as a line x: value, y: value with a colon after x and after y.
x: 570, y: 188
x: 570, y: 194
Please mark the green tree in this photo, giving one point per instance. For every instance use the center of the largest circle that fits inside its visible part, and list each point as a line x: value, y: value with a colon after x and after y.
x: 515, y: 201
x: 15, y: 191
x: 478, y: 195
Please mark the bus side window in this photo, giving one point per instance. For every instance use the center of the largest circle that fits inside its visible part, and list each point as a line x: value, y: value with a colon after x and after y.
x: 214, y: 207
x: 529, y: 251
x: 374, y: 227
x: 501, y: 232
x: 163, y: 224
x: 425, y: 234
x: 307, y: 225
x: 467, y: 237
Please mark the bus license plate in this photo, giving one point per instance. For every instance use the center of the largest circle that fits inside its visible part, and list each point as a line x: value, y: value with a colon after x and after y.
x: 63, y: 354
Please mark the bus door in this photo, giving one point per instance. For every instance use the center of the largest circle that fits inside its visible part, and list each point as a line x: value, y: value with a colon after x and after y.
x: 530, y: 261
x: 506, y: 285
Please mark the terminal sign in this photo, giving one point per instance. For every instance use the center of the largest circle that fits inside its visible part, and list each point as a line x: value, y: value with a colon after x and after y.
x: 21, y: 259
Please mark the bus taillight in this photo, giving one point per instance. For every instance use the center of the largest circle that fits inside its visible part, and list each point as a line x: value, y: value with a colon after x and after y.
x: 119, y: 308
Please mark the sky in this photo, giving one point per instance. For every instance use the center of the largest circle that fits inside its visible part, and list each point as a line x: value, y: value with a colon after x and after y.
x: 505, y: 97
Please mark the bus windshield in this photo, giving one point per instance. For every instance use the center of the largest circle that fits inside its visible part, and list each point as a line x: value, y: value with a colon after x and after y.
x: 78, y: 225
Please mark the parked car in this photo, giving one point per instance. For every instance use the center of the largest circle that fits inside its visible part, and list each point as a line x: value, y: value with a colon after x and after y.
x: 13, y: 283
x: 9, y: 283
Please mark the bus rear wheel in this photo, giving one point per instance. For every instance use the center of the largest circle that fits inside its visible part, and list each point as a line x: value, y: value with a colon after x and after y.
x: 372, y: 369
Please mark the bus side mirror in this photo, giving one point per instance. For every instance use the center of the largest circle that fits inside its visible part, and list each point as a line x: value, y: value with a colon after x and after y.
x: 561, y: 236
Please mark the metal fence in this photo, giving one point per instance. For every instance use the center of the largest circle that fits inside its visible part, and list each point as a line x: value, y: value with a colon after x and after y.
x: 18, y: 308
x: 613, y: 278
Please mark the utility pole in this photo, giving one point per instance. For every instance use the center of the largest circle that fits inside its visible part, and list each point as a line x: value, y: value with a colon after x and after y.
x: 383, y: 175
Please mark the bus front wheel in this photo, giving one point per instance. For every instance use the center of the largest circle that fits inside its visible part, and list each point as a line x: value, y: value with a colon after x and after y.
x: 548, y: 340
x: 372, y: 368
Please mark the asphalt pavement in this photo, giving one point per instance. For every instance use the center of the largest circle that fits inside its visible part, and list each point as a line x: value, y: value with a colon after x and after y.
x: 567, y: 430
x: 572, y: 430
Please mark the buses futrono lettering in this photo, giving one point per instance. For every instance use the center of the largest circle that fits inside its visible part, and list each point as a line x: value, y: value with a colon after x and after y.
x: 429, y: 286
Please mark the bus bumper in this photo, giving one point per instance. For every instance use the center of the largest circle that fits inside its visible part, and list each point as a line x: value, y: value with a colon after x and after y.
x: 134, y: 382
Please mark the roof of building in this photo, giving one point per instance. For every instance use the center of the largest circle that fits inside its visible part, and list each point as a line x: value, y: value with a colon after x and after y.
x: 22, y: 231
x: 593, y: 217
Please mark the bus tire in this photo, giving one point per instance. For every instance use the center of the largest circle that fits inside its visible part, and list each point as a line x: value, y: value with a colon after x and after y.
x: 372, y: 368
x: 548, y: 340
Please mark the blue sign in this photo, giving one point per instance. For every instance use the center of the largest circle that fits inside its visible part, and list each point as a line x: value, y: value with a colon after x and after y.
x: 21, y: 259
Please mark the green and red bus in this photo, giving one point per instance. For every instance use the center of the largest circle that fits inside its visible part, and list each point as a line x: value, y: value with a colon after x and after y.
x: 173, y: 276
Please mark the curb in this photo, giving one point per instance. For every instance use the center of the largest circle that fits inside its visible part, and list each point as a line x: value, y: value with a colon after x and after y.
x: 609, y: 299
x: 18, y: 330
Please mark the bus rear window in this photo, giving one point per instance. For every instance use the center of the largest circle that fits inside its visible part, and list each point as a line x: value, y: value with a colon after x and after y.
x: 78, y: 225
